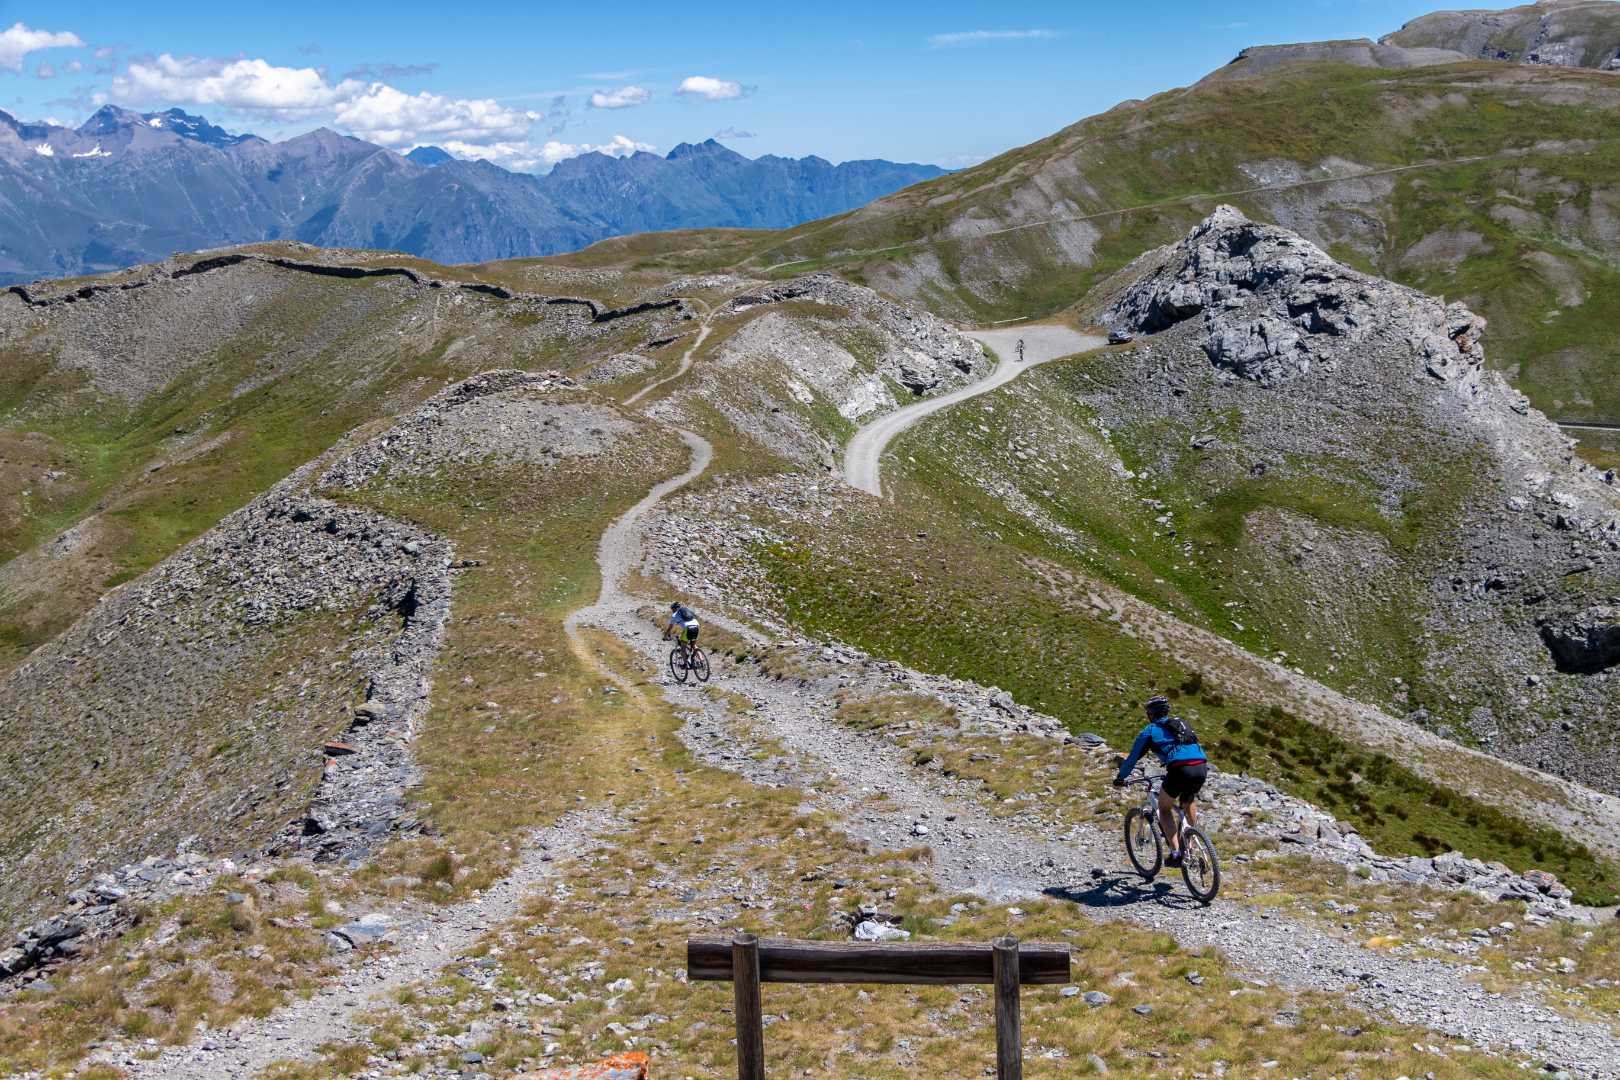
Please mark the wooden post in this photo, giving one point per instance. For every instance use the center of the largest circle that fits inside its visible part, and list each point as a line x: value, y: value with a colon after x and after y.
x: 1009, y: 1029
x: 750, y: 1007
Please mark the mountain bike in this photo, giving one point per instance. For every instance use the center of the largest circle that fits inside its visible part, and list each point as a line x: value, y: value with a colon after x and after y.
x: 686, y: 658
x: 1144, y: 843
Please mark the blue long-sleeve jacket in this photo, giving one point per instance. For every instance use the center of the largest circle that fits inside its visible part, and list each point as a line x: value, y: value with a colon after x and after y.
x: 1157, y: 737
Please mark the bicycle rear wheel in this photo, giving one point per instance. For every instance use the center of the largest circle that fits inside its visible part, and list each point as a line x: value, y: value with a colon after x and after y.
x: 677, y: 664
x: 1142, y: 843
x: 1199, y: 867
x: 700, y: 665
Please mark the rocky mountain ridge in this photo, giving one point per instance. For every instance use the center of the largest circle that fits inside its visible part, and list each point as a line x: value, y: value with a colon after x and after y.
x: 1558, y: 33
x: 1552, y: 33
x: 126, y: 188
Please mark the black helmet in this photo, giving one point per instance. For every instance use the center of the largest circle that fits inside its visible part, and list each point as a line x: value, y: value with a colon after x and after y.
x: 1158, y: 707
x: 676, y: 606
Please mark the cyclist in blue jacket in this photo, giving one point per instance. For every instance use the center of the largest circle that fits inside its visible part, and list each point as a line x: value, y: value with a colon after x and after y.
x: 1185, y: 768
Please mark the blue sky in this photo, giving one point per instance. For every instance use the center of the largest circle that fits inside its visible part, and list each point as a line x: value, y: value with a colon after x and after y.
x: 527, y: 84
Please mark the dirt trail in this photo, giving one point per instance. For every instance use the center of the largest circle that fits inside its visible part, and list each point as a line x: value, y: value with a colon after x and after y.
x: 1004, y: 860
x: 425, y: 940
x: 686, y: 359
x: 1041, y: 343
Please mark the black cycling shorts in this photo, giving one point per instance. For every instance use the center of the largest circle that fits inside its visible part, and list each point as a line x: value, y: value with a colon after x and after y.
x: 1183, y: 782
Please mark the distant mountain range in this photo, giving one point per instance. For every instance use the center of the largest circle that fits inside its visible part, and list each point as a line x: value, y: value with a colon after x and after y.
x: 128, y: 187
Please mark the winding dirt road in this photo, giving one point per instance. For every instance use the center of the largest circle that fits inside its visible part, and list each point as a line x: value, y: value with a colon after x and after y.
x: 864, y: 453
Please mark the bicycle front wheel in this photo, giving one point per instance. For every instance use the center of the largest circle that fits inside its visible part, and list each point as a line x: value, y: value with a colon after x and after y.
x: 700, y: 665
x: 1142, y: 843
x: 677, y: 665
x: 1199, y: 867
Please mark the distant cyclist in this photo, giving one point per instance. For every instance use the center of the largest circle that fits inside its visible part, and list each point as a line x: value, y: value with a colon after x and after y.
x: 683, y: 625
x: 1020, y: 350
x: 1185, y: 768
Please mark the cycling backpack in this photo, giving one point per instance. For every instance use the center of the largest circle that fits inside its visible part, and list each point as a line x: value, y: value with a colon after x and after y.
x: 1181, y: 732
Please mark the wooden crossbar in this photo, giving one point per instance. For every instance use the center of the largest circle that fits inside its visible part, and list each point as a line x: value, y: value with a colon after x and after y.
x: 747, y: 961
x: 708, y: 959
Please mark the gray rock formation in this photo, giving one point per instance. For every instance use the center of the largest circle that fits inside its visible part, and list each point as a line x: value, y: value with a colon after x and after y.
x: 199, y: 697
x: 1585, y: 642
x: 1261, y: 361
x: 1274, y: 305
x: 1261, y: 60
x: 820, y: 342
x: 1561, y: 33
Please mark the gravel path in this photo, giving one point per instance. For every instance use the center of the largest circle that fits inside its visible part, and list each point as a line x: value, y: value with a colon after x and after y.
x: 975, y: 852
x: 425, y: 940
x: 686, y: 359
x: 841, y: 769
x: 1041, y: 343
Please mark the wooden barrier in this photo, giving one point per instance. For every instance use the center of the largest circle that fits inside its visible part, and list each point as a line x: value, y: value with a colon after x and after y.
x: 748, y: 962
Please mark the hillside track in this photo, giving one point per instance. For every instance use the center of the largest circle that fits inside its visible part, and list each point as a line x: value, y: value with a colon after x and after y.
x: 791, y: 737
x: 425, y: 940
x: 1042, y: 343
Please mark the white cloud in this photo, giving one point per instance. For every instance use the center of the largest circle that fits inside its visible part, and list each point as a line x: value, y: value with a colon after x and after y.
x: 21, y: 40
x: 234, y: 84
x: 540, y: 157
x: 982, y: 37
x: 624, y: 97
x: 45, y: 71
x: 709, y: 88
x: 371, y: 110
x: 733, y: 133
x: 392, y: 117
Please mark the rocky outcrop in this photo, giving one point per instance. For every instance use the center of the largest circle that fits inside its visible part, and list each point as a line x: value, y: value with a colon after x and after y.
x: 1274, y: 306
x: 199, y: 697
x: 1486, y: 547
x: 1584, y: 643
x: 927, y: 351
x: 1261, y: 60
x: 1559, y: 33
x: 452, y: 429
x: 616, y: 367
x: 816, y: 345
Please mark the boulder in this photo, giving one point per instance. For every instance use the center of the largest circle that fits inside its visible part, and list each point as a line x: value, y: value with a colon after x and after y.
x: 1003, y: 702
x: 1583, y: 643
x: 871, y: 930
